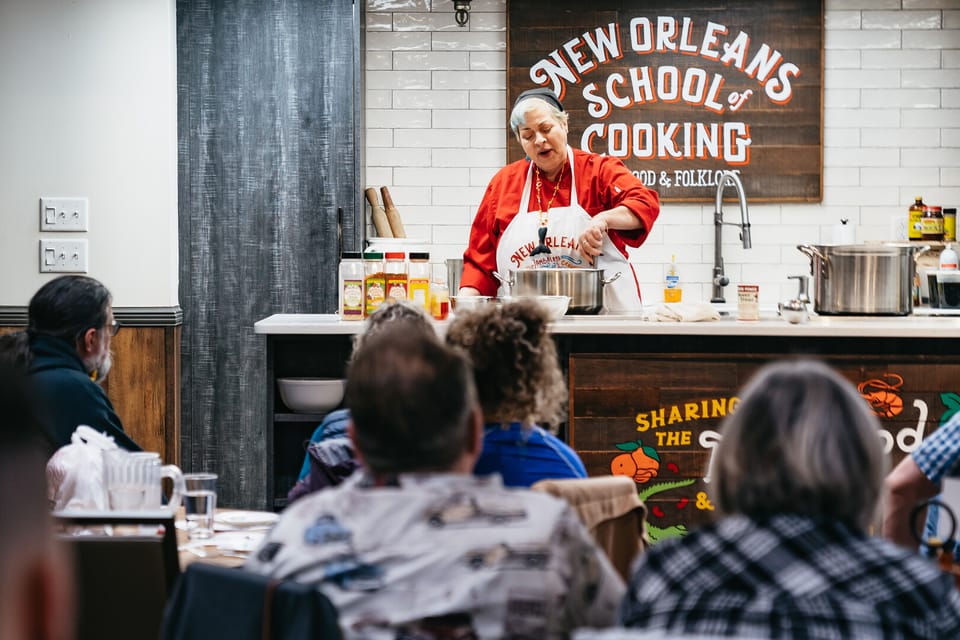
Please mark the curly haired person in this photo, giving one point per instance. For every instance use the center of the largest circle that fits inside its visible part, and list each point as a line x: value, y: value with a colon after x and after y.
x: 520, y: 387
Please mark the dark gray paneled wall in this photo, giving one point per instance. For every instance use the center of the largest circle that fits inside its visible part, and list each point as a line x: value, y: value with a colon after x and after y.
x: 268, y: 109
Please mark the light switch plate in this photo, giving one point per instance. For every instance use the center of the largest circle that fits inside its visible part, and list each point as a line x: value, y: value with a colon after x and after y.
x: 64, y: 214
x: 63, y: 256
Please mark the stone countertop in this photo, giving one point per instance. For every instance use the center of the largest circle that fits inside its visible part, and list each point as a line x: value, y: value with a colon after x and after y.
x: 921, y: 324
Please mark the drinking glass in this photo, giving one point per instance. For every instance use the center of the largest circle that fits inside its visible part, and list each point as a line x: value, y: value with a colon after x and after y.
x: 199, y: 503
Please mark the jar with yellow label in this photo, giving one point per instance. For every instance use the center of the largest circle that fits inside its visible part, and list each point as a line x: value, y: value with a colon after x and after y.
x: 374, y: 283
x: 418, y: 283
x: 949, y: 224
x: 915, y: 220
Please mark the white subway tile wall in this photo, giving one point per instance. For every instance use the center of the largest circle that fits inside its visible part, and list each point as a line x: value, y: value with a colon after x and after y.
x: 435, y: 134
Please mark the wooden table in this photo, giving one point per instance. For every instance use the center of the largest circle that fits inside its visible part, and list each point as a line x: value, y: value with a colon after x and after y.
x: 190, y: 551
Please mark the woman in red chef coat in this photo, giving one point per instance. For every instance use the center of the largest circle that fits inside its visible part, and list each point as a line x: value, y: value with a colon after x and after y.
x: 566, y: 208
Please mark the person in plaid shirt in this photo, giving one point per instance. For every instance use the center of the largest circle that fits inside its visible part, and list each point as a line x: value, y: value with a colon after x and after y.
x: 798, y: 479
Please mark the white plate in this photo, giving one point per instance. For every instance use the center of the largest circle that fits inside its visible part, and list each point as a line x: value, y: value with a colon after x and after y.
x: 247, y: 518
x: 238, y: 541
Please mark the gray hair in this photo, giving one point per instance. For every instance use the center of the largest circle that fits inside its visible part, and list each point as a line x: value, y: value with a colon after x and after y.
x: 391, y: 313
x: 801, y: 441
x: 519, y: 114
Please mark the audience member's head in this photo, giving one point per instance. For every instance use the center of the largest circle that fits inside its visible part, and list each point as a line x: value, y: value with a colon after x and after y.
x: 514, y: 362
x: 801, y: 441
x: 15, y: 351
x: 35, y: 597
x: 390, y: 313
x: 78, y: 310
x: 413, y: 404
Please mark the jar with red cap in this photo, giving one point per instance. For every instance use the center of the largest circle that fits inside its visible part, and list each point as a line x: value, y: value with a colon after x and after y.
x: 395, y: 272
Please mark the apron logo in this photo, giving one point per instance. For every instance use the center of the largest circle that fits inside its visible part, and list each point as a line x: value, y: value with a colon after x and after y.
x: 553, y: 242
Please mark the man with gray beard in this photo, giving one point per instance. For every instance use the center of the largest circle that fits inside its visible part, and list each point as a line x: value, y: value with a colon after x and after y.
x: 69, y: 329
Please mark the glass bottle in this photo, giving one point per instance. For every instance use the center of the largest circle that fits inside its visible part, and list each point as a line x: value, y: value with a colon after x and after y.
x: 351, y: 303
x: 914, y: 221
x: 418, y: 289
x: 439, y: 301
x: 374, y: 283
x: 395, y: 272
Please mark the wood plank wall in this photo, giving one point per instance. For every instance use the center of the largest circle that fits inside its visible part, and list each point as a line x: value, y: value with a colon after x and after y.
x: 268, y: 118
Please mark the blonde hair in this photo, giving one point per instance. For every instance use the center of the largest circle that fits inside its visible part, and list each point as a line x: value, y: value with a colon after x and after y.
x: 801, y: 441
x: 514, y: 362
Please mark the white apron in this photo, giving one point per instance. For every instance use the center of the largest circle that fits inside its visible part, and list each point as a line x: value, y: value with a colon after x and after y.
x: 564, y: 226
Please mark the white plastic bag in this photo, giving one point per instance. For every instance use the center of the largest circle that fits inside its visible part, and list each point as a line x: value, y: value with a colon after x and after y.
x: 75, y: 472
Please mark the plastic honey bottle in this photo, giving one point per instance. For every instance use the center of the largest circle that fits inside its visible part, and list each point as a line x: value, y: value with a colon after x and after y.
x: 671, y: 283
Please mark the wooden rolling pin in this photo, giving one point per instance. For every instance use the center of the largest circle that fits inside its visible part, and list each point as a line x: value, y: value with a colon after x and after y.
x: 380, y: 222
x: 393, y: 216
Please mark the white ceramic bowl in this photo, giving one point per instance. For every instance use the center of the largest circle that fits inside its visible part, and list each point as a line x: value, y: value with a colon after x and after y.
x: 311, y: 395
x: 556, y: 305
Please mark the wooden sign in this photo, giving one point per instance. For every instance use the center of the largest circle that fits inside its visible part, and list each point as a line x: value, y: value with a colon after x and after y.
x: 657, y: 418
x: 681, y: 91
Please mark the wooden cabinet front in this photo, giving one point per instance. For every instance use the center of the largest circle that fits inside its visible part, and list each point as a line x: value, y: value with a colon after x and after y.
x: 656, y: 417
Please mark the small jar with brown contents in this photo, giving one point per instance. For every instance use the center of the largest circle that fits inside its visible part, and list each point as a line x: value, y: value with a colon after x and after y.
x: 932, y: 224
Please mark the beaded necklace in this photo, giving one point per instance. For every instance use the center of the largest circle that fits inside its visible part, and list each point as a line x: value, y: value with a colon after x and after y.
x: 556, y: 189
x: 542, y: 247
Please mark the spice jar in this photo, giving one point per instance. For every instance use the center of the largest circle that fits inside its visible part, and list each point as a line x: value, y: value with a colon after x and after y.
x: 395, y: 272
x: 351, y: 302
x: 949, y: 224
x: 418, y: 273
x: 374, y: 283
x: 932, y: 224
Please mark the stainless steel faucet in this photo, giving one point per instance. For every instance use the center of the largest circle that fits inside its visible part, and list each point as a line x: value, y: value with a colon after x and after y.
x: 720, y: 280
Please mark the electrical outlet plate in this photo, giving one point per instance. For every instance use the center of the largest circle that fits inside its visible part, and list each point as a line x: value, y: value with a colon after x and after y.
x: 63, y: 256
x: 64, y: 214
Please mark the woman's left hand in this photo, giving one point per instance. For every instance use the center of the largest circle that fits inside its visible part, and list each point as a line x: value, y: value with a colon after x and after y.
x: 591, y: 240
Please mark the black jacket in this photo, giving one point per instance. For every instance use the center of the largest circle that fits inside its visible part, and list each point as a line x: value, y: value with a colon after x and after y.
x: 68, y: 397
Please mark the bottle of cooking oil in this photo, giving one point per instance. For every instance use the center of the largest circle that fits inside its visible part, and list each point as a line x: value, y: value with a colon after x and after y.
x: 671, y: 283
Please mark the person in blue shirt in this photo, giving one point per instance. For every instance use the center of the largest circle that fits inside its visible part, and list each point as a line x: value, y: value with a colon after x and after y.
x: 521, y: 389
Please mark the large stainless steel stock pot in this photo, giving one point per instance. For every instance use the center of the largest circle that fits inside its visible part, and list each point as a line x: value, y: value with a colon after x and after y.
x: 860, y: 279
x: 583, y: 286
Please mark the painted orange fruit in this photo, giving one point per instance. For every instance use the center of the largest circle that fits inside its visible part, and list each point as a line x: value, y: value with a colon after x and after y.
x: 639, y: 462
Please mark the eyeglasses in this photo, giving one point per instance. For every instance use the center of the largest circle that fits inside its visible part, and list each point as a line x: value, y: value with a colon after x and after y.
x: 113, y: 327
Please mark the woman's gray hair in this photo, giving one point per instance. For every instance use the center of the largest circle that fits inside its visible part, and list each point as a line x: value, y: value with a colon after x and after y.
x: 519, y: 114
x: 801, y: 441
x: 391, y: 313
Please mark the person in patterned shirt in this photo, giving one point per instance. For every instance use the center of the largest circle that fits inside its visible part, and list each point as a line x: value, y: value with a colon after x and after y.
x: 414, y: 545
x: 798, y: 477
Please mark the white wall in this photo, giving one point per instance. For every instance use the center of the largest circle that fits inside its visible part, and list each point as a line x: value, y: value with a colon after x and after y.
x: 435, y: 118
x: 88, y: 108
